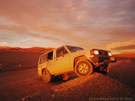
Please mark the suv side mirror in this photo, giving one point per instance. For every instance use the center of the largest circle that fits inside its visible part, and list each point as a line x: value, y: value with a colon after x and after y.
x: 113, y: 59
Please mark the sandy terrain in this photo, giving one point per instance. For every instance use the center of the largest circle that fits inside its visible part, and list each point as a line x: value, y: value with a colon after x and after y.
x: 10, y: 61
x: 15, y: 58
x: 20, y: 84
x: 25, y: 84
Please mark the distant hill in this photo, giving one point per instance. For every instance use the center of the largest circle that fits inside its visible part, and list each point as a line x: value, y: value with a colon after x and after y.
x: 16, y: 58
x: 18, y: 49
x: 126, y: 55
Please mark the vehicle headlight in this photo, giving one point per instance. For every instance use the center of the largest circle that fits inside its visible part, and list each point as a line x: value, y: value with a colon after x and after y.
x: 109, y: 53
x: 96, y: 52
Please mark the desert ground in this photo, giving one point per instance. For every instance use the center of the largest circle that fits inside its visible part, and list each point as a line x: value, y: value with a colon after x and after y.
x: 24, y: 84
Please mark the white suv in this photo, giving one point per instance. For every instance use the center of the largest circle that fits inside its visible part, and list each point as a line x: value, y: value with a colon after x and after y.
x: 67, y: 59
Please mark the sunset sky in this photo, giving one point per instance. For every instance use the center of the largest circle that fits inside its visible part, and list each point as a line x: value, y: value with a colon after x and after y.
x: 106, y: 24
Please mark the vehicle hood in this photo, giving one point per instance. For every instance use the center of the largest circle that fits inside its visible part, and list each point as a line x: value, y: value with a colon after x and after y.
x: 82, y: 52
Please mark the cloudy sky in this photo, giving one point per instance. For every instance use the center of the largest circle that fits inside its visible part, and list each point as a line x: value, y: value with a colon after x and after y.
x: 107, y: 24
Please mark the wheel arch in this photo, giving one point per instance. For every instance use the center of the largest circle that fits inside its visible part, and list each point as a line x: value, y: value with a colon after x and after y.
x: 82, y: 58
x: 43, y: 70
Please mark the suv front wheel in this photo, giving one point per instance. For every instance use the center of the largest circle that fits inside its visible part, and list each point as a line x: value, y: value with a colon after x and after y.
x: 83, y: 68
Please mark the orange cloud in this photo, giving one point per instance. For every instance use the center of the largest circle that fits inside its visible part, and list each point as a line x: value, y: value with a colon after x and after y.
x: 94, y: 23
x: 81, y: 16
x: 128, y: 47
x: 122, y: 46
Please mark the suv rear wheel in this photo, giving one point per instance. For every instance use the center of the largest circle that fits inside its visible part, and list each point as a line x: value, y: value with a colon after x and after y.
x: 46, y: 76
x: 83, y: 68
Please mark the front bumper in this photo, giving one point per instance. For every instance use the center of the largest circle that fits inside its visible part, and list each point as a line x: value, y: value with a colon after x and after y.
x: 101, y: 63
x: 102, y: 60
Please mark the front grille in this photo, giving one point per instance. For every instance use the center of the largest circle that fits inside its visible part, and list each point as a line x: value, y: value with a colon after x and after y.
x: 103, y: 53
x: 101, y: 59
x: 102, y: 56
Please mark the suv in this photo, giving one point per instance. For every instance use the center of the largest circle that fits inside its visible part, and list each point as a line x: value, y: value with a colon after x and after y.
x: 67, y: 59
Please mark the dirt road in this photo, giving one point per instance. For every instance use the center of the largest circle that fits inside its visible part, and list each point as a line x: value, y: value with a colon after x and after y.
x: 26, y: 84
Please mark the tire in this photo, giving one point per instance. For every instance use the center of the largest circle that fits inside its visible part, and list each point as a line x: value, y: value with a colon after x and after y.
x: 46, y: 76
x: 83, y: 68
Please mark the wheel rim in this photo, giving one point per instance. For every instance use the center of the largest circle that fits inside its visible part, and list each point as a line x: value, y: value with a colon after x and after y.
x: 83, y: 68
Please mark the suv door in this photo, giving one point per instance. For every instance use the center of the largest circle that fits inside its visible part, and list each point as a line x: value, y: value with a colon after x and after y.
x: 43, y: 61
x: 61, y: 63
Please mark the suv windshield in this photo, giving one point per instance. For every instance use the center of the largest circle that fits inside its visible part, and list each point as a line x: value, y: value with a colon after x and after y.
x: 74, y: 49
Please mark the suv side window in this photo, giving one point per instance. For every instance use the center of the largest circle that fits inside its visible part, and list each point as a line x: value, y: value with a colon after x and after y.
x: 61, y: 52
x: 50, y: 55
